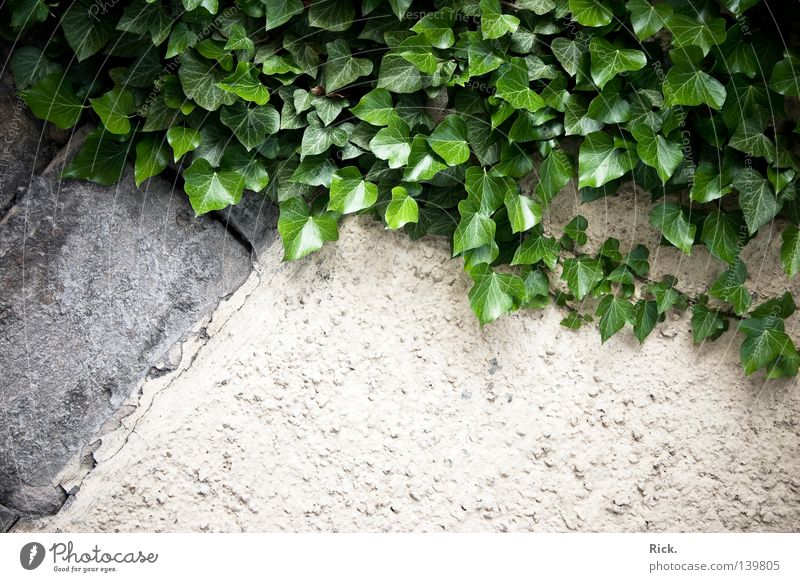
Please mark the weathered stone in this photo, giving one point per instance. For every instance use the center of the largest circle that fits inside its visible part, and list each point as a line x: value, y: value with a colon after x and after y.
x: 254, y: 219
x: 96, y: 284
x: 7, y: 519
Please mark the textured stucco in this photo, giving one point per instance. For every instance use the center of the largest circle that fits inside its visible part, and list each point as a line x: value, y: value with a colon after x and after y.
x: 354, y: 391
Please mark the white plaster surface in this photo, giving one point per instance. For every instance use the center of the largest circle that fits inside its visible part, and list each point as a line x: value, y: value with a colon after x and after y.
x: 355, y: 391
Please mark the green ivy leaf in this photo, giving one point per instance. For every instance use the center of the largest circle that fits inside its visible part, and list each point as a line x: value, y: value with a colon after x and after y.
x: 582, y: 275
x: 101, y: 159
x: 555, y: 173
x: 393, y: 143
x: 513, y: 86
x: 375, y: 107
x: 790, y: 250
x: 341, y: 68
x: 85, y: 34
x: 53, y: 99
x: 247, y: 165
x: 423, y: 164
x: 251, y: 125
x: 302, y: 232
x: 200, y: 82
x: 669, y: 218
x: 437, y: 28
x: 523, y: 212
x: 315, y: 171
x: 765, y: 342
x: 696, y: 31
x: 537, y: 248
x: 494, y: 294
x: 785, y: 78
x: 398, y: 75
x: 449, y: 140
x: 608, y: 61
x: 687, y: 85
x: 614, y: 314
x: 600, y: 160
x: 489, y: 188
x: 707, y: 324
x: 721, y: 236
x: 590, y: 12
x: 655, y: 151
x: 645, y: 319
x: 475, y: 229
x: 244, y: 82
x: 647, y: 19
x: 182, y: 140
x: 332, y: 15
x: 494, y: 23
x: 403, y: 209
x: 113, y: 108
x: 317, y: 138
x: 279, y: 12
x: 211, y: 189
x: 756, y: 199
x: 152, y: 157
x: 350, y: 192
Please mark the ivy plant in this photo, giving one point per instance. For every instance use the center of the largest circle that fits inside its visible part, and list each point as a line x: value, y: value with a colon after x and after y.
x: 457, y: 118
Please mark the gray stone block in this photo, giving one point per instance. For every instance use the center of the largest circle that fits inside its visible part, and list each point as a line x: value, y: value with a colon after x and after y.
x: 96, y: 284
x: 254, y: 219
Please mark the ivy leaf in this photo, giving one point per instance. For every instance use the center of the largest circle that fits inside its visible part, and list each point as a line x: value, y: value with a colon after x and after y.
x: 765, y: 341
x: 247, y: 165
x: 645, y: 319
x: 317, y: 138
x: 398, y: 75
x: 537, y: 248
x: 785, y: 79
x: 523, y: 212
x: 475, y: 229
x: 350, y: 192
x: 707, y: 324
x: 279, y: 12
x: 375, y: 107
x: 315, y: 171
x: 614, y: 314
x: 244, y: 82
x: 101, y: 159
x: 211, y: 189
x: 449, y: 140
x: 251, y: 125
x: 494, y: 23
x: 729, y: 287
x: 576, y: 118
x: 569, y: 52
x: 669, y: 218
x: 709, y: 183
x: 600, y: 160
x: 200, y: 83
x: 53, y: 99
x: 575, y: 229
x: 750, y: 139
x: 582, y: 275
x: 494, y: 294
x: 332, y: 15
x: 399, y: 7
x: 647, y: 19
x: 756, y: 199
x: 696, y: 31
x: 328, y: 108
x: 481, y: 55
x: 85, y: 34
x: 721, y: 236
x: 489, y: 188
x: 590, y: 12
x: 608, y: 61
x: 417, y: 51
x: 513, y: 86
x: 555, y: 173
x: 687, y: 85
x: 342, y: 68
x: 402, y: 210
x: 113, y: 108
x: 655, y: 151
x: 303, y: 233
x: 423, y: 164
x: 182, y: 140
x: 790, y: 250
x: 152, y: 157
x: 393, y: 143
x: 437, y: 27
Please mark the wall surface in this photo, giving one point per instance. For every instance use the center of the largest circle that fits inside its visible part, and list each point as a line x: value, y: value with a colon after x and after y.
x: 355, y: 391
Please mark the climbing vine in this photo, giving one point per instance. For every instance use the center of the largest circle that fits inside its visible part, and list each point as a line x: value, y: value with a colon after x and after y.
x: 432, y: 115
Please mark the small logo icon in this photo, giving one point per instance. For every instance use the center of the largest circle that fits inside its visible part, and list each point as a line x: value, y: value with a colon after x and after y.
x: 31, y: 555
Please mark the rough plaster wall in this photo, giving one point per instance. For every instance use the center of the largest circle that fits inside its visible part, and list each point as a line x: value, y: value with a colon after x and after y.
x: 354, y: 391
